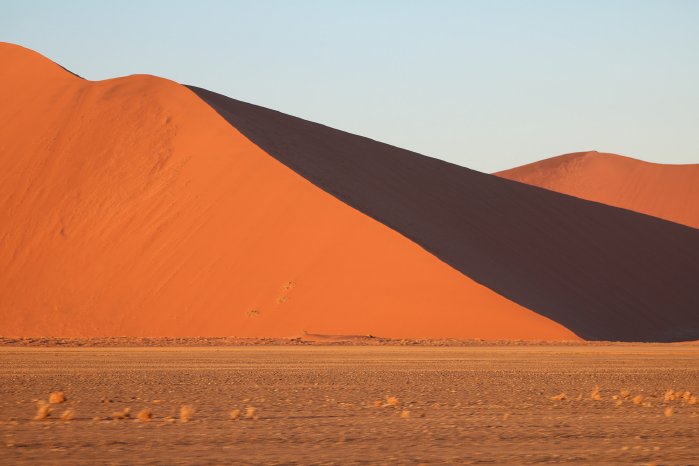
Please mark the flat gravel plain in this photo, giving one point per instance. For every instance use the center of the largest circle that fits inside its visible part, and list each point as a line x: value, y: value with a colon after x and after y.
x: 352, y: 405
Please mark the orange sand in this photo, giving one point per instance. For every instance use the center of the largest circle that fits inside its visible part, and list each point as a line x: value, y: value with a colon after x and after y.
x: 130, y: 207
x: 670, y: 192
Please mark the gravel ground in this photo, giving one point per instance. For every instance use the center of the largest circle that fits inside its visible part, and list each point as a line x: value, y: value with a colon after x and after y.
x: 352, y: 405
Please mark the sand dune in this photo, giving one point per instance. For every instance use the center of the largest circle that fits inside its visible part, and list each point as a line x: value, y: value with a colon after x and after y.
x: 132, y: 208
x: 670, y: 192
x: 139, y: 207
x: 605, y: 273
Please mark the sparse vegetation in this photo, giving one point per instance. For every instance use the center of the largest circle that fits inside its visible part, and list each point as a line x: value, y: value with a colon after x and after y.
x: 57, y: 398
x: 186, y: 413
x: 43, y: 411
x: 391, y: 401
x: 123, y: 414
x: 251, y: 412
x: 144, y: 415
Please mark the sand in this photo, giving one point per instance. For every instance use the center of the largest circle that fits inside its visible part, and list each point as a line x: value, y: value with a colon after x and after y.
x: 131, y: 208
x: 479, y: 405
x: 670, y: 192
x: 603, y: 272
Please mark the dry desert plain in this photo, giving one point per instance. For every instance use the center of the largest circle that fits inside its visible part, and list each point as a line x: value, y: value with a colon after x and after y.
x: 345, y: 404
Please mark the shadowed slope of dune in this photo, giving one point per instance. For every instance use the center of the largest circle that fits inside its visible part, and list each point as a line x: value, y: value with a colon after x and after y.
x: 670, y: 192
x: 605, y: 273
x: 130, y: 207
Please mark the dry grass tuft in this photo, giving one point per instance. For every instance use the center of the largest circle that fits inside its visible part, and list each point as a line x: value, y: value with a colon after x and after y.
x: 669, y: 395
x: 68, y: 415
x: 637, y: 400
x: 57, y: 398
x: 595, y: 395
x: 234, y: 414
x: 668, y: 412
x: 692, y: 400
x: 619, y: 403
x: 123, y: 414
x: 144, y: 415
x: 405, y: 414
x: 251, y: 413
x: 687, y: 395
x: 391, y: 401
x: 559, y: 397
x: 625, y: 394
x: 186, y: 413
x: 43, y: 411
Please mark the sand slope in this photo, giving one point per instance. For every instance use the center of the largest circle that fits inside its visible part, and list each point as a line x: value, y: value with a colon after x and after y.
x: 670, y: 192
x: 130, y: 207
x: 606, y: 273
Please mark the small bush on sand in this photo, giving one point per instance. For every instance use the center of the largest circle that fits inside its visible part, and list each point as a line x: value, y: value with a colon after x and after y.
x: 144, y: 415
x: 43, y: 411
x: 391, y: 401
x: 186, y: 413
x: 123, y: 414
x: 251, y: 412
x: 559, y: 397
x: 57, y: 398
x: 68, y: 415
x: 234, y: 414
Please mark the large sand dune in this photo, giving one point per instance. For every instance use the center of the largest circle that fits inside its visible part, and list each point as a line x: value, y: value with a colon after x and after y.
x: 131, y: 207
x: 604, y: 272
x: 670, y: 192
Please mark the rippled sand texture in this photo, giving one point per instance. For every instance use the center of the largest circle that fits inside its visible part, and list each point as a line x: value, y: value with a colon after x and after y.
x: 352, y: 405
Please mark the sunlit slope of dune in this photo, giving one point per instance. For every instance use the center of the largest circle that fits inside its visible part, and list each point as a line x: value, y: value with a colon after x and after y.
x: 604, y: 272
x: 130, y: 207
x: 670, y: 192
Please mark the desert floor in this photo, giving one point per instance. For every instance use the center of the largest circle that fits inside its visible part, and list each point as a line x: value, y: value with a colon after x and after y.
x: 333, y: 404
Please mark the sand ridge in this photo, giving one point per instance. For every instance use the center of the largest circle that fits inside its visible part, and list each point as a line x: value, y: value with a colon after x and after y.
x: 670, y: 192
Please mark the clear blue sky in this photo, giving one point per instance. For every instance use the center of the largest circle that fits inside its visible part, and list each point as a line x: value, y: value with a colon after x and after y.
x: 486, y: 84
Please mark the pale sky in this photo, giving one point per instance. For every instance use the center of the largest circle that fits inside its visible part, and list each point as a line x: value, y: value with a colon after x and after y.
x: 486, y: 84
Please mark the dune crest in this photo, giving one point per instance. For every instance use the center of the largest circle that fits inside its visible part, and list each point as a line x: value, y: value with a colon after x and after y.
x: 670, y: 192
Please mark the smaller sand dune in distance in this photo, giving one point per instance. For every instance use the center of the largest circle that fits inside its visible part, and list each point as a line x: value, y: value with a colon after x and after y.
x: 670, y: 192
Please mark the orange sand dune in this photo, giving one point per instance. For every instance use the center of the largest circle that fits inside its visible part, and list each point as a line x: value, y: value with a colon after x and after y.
x: 130, y: 207
x: 670, y: 192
